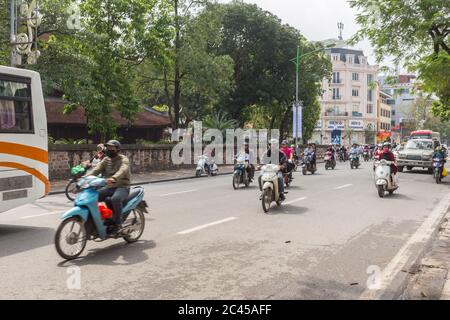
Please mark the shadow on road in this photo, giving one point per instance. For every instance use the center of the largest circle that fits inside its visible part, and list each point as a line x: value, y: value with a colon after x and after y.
x: 109, y: 256
x: 287, y: 209
x: 15, y: 239
x: 397, y: 196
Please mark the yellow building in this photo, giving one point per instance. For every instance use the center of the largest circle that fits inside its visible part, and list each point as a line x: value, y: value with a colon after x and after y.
x: 384, y: 120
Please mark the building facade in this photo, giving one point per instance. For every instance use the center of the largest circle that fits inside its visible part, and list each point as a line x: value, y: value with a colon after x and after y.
x: 349, y: 103
x: 384, y: 121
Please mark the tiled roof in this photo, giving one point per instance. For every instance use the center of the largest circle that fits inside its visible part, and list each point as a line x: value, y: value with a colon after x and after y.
x: 146, y: 118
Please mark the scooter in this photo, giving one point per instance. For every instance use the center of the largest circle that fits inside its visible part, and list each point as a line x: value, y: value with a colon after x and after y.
x: 329, y: 161
x: 383, y: 180
x: 354, y: 161
x: 269, y: 186
x: 438, y: 165
x: 204, y: 165
x: 366, y: 156
x: 89, y: 220
x: 287, y: 173
x: 307, y: 165
x: 240, y: 175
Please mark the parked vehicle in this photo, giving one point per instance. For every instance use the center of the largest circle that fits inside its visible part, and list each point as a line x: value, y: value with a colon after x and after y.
x: 205, y: 165
x: 439, y: 170
x: 384, y: 182
x: 89, y: 220
x: 330, y: 162
x: 270, y: 188
x: 307, y: 165
x: 416, y: 153
x: 241, y: 174
x: 354, y: 161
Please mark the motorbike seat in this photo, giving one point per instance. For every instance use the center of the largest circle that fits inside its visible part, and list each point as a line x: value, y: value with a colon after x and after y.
x: 133, y: 194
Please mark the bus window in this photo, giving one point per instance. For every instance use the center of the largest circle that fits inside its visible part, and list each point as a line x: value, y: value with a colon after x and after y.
x: 15, y: 107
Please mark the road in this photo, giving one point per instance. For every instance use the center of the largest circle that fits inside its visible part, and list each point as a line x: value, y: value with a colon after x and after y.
x: 206, y: 241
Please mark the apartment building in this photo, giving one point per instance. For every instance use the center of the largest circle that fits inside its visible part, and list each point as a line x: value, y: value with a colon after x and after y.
x: 349, y: 104
x: 384, y: 120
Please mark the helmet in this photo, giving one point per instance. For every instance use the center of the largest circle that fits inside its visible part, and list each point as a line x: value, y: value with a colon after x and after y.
x: 387, y: 144
x: 113, y: 143
x: 101, y: 147
x: 284, y: 142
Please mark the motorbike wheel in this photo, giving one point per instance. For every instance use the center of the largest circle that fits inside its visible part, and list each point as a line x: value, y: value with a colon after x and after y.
x: 71, y: 190
x: 136, y: 218
x: 381, y: 191
x: 246, y: 179
x: 437, y: 177
x: 400, y: 169
x: 198, y: 173
x: 266, y: 200
x: 326, y: 166
x: 236, y: 181
x: 286, y: 180
x: 304, y: 171
x: 76, y: 242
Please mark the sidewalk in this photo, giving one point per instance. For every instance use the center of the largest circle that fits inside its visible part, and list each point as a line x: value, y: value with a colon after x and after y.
x: 151, y: 177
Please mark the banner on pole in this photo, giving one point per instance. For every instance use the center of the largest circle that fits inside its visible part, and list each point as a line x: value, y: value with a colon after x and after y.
x: 297, y: 125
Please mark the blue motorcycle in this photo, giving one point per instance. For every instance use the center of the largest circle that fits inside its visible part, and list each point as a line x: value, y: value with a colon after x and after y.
x: 438, y: 169
x: 86, y: 222
x: 241, y: 175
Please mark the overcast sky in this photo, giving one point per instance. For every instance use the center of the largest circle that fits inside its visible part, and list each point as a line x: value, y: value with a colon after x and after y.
x: 316, y: 19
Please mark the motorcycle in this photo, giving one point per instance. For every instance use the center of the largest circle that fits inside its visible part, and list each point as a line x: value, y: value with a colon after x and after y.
x: 438, y: 165
x: 89, y: 220
x: 366, y: 156
x: 383, y: 180
x: 204, y: 165
x: 307, y: 165
x: 270, y: 188
x: 287, y: 173
x: 241, y: 175
x: 330, y: 162
x: 72, y: 189
x: 354, y: 161
x: 342, y: 156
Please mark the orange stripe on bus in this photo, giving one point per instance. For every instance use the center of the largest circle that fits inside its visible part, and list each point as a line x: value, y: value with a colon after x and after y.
x: 21, y: 150
x: 31, y: 171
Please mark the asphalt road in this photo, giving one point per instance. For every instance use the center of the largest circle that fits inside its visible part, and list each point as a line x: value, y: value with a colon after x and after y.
x: 204, y: 240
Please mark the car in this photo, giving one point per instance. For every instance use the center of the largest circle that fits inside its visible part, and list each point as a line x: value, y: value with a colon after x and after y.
x: 416, y: 153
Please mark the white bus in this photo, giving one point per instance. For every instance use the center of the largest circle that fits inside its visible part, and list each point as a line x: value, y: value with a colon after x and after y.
x: 23, y: 138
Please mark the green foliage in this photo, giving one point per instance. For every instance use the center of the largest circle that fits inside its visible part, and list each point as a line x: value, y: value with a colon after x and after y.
x: 417, y: 34
x: 220, y: 121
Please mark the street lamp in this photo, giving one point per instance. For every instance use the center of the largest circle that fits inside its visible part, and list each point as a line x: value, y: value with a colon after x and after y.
x: 299, y: 104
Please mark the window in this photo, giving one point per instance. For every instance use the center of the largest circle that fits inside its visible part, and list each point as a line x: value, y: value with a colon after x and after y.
x: 356, y: 108
x: 15, y: 106
x: 336, y: 95
x: 370, y: 108
x: 355, y: 93
x: 350, y: 59
x: 336, y: 77
x: 355, y: 76
x: 393, y: 112
x: 369, y: 79
x: 335, y: 57
x: 370, y: 95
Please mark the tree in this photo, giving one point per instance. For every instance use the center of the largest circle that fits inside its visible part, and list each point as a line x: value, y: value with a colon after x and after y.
x: 5, y: 48
x: 417, y: 34
x: 189, y: 77
x: 262, y: 49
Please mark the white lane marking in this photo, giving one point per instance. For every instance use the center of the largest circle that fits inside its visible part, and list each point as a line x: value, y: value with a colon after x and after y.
x: 42, y: 215
x: 175, y: 193
x: 296, y: 200
x: 343, y: 187
x: 206, y: 225
x: 402, y: 257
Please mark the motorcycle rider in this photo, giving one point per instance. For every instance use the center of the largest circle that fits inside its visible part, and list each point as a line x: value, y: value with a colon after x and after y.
x: 378, y: 152
x: 115, y: 168
x: 289, y: 152
x: 331, y: 150
x: 282, y: 160
x: 388, y: 155
x: 249, y: 158
x: 99, y: 155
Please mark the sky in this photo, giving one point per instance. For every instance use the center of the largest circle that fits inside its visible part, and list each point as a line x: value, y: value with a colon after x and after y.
x: 317, y: 19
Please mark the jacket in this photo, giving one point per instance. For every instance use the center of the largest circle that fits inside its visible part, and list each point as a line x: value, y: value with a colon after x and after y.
x: 117, y: 169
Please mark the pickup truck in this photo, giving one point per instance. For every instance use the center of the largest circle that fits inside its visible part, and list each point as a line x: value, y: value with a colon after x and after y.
x: 416, y: 153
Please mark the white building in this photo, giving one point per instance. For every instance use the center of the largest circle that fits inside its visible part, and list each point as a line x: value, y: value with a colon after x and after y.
x: 349, y: 103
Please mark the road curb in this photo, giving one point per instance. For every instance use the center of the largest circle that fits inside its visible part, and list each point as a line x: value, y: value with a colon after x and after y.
x: 417, y: 261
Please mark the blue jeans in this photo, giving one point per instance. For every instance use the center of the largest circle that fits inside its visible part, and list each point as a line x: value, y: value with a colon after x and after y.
x: 117, y: 197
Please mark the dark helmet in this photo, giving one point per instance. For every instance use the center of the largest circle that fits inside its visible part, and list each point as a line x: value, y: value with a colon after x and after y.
x: 113, y: 143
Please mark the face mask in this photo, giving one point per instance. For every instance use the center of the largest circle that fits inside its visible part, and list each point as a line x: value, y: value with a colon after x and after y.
x: 111, y: 153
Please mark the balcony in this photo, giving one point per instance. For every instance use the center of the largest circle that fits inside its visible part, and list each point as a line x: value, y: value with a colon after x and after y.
x: 336, y: 98
x: 335, y: 114
x: 357, y: 114
x: 337, y: 82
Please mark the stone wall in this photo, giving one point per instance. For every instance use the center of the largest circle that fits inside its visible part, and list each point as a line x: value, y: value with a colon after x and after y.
x: 143, y: 158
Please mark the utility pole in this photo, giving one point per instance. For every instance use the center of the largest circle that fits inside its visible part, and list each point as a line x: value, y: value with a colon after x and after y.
x: 12, y: 37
